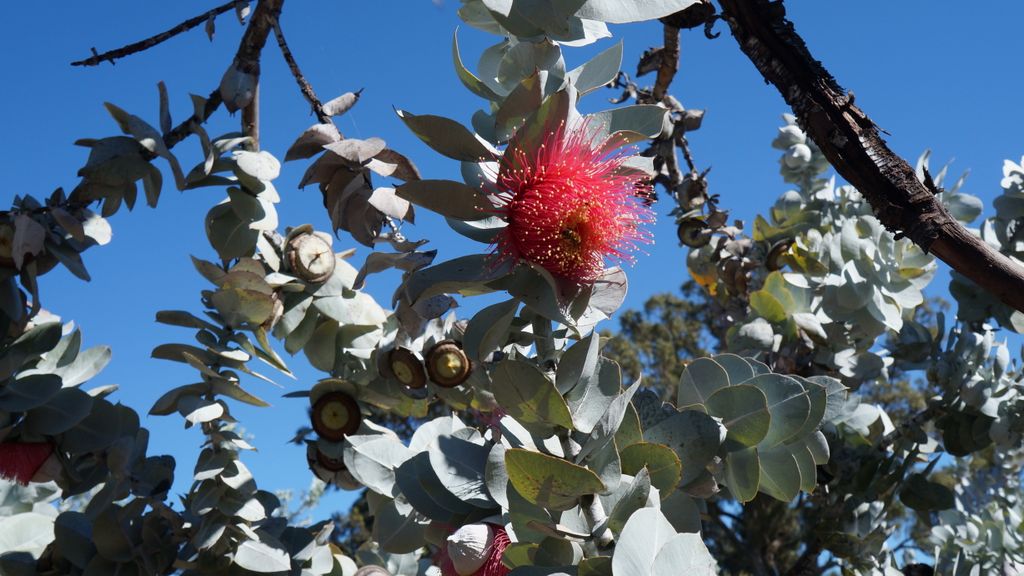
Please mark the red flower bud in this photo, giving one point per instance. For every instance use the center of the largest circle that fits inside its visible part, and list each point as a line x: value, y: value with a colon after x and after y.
x: 19, y: 461
x: 474, y: 550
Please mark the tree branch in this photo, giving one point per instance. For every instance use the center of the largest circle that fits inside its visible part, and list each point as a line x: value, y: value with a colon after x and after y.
x: 97, y: 59
x: 853, y: 145
x: 597, y: 521
x: 807, y: 563
x: 304, y: 85
x: 251, y: 120
x: 669, y: 62
x: 247, y: 59
x: 183, y: 130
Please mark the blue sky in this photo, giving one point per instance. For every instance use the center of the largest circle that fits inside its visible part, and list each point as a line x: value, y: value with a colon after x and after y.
x: 916, y: 69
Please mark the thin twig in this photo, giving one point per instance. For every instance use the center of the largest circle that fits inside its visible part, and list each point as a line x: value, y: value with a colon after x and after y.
x: 684, y: 145
x: 251, y: 120
x: 97, y: 59
x: 183, y: 130
x: 304, y: 85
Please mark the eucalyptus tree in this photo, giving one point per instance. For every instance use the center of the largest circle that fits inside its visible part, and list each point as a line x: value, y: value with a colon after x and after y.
x: 540, y: 455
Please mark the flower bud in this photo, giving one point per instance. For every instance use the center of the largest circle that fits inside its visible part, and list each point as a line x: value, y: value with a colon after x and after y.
x: 447, y: 365
x: 20, y: 461
x: 469, y: 547
x: 335, y: 415
x: 475, y: 550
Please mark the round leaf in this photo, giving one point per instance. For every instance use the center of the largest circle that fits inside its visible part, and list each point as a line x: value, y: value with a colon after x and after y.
x: 744, y: 413
x: 548, y: 481
x: 661, y: 461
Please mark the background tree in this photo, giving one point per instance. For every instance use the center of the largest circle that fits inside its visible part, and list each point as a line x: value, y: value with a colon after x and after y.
x: 511, y: 441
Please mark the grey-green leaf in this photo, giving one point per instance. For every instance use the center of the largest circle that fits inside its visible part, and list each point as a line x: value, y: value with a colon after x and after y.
x: 527, y: 395
x: 261, y: 557
x: 446, y: 136
x: 699, y: 380
x: 446, y: 197
x: 488, y: 329
x: 598, y: 71
x: 744, y: 413
x: 645, y: 533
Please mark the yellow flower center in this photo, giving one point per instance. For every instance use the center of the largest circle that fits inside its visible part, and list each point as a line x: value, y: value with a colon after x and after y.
x: 334, y: 415
x: 449, y: 365
x: 402, y: 372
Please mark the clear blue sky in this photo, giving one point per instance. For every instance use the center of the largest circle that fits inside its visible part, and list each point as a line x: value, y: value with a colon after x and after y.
x: 930, y: 73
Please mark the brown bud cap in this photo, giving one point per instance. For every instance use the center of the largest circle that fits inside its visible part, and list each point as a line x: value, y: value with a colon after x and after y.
x: 310, y: 257
x: 332, y: 464
x: 336, y: 415
x: 772, y: 262
x: 330, y: 469
x: 405, y: 366
x: 447, y: 365
x: 694, y: 233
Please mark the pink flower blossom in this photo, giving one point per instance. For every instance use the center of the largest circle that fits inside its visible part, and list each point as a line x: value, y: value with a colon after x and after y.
x: 570, y: 204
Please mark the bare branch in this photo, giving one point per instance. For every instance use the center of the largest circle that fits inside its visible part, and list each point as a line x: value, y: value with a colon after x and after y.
x: 247, y: 60
x: 135, y: 47
x: 669, y: 62
x: 304, y: 86
x: 183, y: 130
x: 267, y: 12
x: 853, y: 145
x: 684, y: 145
x: 251, y: 121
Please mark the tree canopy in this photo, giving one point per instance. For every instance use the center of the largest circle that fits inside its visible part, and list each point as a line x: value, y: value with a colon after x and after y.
x: 800, y: 406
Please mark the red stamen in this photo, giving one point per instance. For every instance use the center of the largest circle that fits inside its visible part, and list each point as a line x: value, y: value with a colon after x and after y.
x: 569, y: 206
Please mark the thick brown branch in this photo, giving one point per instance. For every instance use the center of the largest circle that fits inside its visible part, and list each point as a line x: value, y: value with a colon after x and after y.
x: 669, y: 62
x: 247, y: 59
x: 148, y: 43
x: 853, y: 145
x: 304, y: 85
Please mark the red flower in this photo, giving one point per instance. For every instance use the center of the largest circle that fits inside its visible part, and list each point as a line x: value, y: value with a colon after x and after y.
x: 570, y: 203
x: 19, y: 461
x: 474, y: 550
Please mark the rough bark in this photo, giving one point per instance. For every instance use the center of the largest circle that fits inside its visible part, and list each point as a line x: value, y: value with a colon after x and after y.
x: 247, y: 60
x: 669, y: 62
x: 854, y: 146
x: 263, y: 18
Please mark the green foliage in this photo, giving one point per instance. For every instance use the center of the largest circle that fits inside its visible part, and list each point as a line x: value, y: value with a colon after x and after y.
x: 660, y: 339
x: 757, y: 459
